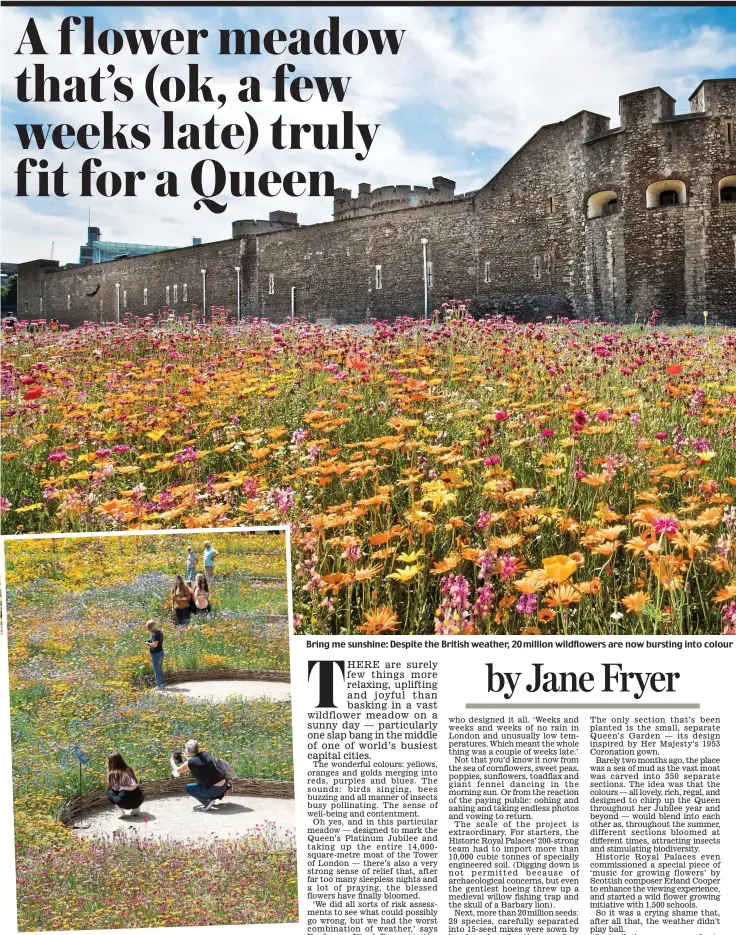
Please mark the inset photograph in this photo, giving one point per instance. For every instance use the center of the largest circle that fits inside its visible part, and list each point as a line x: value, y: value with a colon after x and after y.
x: 151, y: 729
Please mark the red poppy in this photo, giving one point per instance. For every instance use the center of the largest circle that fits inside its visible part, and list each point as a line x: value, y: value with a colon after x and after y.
x: 33, y: 393
x: 674, y: 369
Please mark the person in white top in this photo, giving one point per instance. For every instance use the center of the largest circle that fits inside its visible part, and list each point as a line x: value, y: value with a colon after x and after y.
x: 201, y: 595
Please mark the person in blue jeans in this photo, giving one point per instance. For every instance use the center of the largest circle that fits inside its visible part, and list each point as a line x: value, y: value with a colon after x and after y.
x: 210, y: 554
x: 191, y: 564
x: 211, y: 783
x: 156, y: 648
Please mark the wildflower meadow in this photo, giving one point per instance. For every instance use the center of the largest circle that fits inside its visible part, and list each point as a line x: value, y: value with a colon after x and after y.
x: 471, y: 476
x: 76, y: 610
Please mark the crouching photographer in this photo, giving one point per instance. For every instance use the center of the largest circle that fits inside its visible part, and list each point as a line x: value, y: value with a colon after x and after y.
x: 212, y: 774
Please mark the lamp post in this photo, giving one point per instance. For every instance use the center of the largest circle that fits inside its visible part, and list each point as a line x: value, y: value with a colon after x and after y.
x: 117, y: 291
x: 237, y: 270
x: 426, y: 290
x: 293, y: 301
x: 204, y: 294
x: 83, y: 760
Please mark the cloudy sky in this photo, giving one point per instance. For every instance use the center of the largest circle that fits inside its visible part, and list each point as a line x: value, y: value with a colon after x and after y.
x: 467, y: 88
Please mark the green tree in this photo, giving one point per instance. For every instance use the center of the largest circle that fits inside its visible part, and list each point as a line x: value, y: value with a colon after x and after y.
x: 10, y: 293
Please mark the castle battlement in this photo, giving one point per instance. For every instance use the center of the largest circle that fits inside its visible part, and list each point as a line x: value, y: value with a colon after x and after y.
x: 390, y: 198
x: 277, y: 220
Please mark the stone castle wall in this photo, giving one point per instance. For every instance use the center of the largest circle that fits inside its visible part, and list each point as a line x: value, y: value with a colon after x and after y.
x: 525, y: 244
x: 89, y: 293
x: 678, y: 258
x: 334, y: 267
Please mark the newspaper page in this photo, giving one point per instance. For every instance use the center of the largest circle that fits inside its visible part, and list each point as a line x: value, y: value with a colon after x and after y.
x: 471, y: 785
x: 368, y: 473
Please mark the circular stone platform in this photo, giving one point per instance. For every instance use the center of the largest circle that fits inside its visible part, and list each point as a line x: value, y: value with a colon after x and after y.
x: 213, y: 690
x: 180, y: 818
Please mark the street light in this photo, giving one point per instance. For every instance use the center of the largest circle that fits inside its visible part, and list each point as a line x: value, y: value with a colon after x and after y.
x: 117, y: 289
x: 424, y: 242
x: 237, y: 270
x: 204, y: 294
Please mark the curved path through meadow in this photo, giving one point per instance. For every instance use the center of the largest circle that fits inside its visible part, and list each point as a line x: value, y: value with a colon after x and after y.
x: 180, y: 818
x: 218, y: 691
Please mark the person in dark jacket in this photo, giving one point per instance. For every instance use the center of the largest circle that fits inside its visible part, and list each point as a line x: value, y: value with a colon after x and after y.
x: 156, y: 648
x: 210, y: 783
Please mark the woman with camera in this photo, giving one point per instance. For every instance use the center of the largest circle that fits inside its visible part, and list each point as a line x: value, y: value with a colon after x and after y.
x: 211, y: 783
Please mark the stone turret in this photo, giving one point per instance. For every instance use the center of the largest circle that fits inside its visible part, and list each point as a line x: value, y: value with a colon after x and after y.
x: 390, y: 198
x: 277, y: 220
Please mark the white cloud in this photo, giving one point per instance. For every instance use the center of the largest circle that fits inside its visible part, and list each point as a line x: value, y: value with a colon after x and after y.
x: 519, y: 69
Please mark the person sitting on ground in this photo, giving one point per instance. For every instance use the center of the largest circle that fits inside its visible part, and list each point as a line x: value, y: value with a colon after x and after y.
x: 181, y: 598
x: 10, y: 323
x: 124, y: 790
x: 211, y: 783
x: 201, y: 596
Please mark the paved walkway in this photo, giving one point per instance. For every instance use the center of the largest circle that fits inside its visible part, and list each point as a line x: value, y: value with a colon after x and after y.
x: 217, y: 691
x: 180, y: 818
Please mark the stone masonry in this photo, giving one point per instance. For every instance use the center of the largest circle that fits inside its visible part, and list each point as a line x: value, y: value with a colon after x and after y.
x: 584, y: 220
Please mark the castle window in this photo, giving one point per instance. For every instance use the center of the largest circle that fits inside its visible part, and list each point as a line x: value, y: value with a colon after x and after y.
x: 551, y: 206
x: 727, y: 189
x: 603, y: 204
x: 168, y: 295
x: 184, y: 292
x: 666, y: 193
x: 487, y: 271
x: 537, y: 268
x: 68, y: 302
x: 429, y: 275
x: 729, y: 132
x: 145, y: 296
x: 379, y: 278
x: 125, y: 298
x: 40, y: 306
x: 271, y: 284
x: 176, y: 293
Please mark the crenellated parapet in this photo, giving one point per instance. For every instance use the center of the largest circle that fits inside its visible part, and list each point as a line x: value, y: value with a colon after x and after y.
x: 277, y: 220
x: 391, y: 198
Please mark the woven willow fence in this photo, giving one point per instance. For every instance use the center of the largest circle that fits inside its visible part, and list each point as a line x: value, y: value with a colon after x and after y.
x: 158, y: 788
x: 218, y: 675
